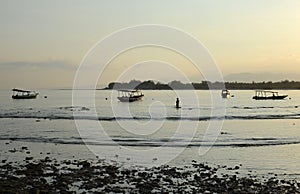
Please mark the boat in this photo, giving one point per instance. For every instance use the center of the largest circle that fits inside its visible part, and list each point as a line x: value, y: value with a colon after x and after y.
x: 268, y: 95
x: 23, y: 94
x: 130, y: 95
x: 225, y: 94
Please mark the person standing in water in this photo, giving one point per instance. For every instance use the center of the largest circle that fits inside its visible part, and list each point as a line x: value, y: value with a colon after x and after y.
x: 177, y: 103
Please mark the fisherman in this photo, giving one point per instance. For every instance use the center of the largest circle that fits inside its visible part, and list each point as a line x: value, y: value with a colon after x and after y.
x: 177, y: 103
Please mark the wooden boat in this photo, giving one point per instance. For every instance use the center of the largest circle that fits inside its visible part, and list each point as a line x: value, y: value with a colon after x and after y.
x: 130, y: 95
x: 268, y: 95
x: 23, y: 94
x: 225, y: 94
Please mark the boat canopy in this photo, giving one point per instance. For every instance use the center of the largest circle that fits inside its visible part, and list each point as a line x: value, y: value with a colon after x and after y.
x: 20, y: 90
x: 265, y: 91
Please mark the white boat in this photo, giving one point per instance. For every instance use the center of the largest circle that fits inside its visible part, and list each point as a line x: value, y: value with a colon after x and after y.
x: 23, y: 94
x: 130, y: 95
x: 225, y: 94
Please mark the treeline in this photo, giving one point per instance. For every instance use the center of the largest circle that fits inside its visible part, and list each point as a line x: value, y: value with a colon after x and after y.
x: 205, y: 85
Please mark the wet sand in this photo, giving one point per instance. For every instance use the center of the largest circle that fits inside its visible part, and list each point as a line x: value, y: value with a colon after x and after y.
x: 48, y: 175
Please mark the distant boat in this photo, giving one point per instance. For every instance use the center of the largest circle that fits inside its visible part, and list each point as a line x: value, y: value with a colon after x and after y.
x: 23, y: 94
x: 225, y: 94
x: 130, y: 95
x: 268, y: 95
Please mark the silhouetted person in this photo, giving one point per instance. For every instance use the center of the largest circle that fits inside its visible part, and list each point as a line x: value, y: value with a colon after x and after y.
x: 177, y: 103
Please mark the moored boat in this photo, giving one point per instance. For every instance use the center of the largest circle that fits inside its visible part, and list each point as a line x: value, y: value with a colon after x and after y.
x: 23, y: 94
x: 130, y: 95
x: 268, y: 95
x: 225, y: 94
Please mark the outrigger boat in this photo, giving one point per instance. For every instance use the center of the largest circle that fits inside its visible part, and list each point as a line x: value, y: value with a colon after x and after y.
x: 23, y: 94
x: 130, y: 95
x: 225, y: 94
x: 268, y: 95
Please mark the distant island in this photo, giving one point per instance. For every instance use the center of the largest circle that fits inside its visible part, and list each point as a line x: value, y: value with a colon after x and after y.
x: 204, y: 85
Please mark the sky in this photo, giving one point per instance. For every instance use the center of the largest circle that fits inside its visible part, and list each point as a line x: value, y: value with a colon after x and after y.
x: 42, y: 43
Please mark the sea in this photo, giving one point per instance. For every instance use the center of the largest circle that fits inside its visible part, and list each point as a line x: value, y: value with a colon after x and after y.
x: 261, y: 137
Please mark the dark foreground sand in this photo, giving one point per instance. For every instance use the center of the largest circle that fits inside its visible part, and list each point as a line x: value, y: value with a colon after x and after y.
x: 80, y: 176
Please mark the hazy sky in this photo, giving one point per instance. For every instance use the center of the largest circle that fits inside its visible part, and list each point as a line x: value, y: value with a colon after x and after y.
x: 43, y: 42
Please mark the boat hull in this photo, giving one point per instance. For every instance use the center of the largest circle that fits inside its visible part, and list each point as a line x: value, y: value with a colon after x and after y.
x: 24, y: 96
x: 270, y: 97
x: 225, y: 95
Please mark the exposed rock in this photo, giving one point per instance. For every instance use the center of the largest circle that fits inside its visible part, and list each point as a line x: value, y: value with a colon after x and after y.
x: 50, y: 176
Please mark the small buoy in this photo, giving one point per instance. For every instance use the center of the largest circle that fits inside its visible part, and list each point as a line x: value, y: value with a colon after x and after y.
x: 45, y: 96
x: 105, y: 98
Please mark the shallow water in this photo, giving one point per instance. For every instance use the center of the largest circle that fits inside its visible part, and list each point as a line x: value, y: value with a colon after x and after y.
x: 263, y: 136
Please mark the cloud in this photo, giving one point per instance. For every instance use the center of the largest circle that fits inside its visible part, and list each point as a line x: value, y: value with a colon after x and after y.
x: 51, y: 64
x: 46, y: 74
